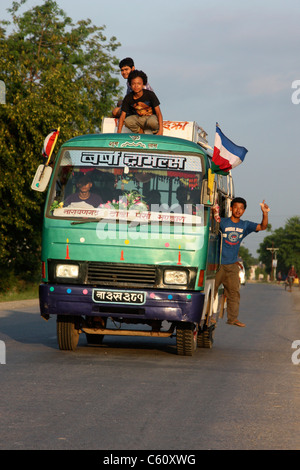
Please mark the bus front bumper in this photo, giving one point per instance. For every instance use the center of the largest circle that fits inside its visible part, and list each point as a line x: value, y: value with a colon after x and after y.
x: 171, y: 305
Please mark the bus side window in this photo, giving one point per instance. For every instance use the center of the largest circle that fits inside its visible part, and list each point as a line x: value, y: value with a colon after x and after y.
x: 222, y: 204
x: 227, y: 207
x: 214, y: 225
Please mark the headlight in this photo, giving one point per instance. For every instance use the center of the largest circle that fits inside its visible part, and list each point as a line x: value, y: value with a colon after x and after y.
x: 67, y: 270
x: 175, y: 277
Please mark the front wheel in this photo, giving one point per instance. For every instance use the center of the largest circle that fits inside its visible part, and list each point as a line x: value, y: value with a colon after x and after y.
x: 186, y: 338
x: 67, y: 334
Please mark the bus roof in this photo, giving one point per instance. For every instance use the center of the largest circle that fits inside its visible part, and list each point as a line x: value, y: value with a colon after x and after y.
x: 135, y: 141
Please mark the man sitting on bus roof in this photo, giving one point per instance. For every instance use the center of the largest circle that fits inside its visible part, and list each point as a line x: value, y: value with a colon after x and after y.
x: 234, y: 230
x: 140, y: 109
x: 126, y: 66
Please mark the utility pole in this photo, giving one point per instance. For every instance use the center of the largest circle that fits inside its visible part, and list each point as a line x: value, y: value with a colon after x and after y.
x: 274, y: 261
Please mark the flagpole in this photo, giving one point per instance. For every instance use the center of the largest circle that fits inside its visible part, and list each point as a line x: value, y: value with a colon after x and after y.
x: 210, y: 180
x: 52, y: 148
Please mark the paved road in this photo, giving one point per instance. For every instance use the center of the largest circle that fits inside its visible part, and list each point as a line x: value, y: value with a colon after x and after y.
x: 134, y: 393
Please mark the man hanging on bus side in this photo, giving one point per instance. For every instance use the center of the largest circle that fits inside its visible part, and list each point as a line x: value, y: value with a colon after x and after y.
x: 234, y: 230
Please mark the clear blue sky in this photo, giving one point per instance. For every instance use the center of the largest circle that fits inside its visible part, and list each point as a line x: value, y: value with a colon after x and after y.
x: 229, y: 62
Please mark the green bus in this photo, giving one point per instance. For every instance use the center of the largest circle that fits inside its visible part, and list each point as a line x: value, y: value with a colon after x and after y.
x: 137, y: 252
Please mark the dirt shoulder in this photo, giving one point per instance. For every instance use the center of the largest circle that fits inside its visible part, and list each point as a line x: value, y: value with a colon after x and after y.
x: 296, y: 298
x: 18, y: 303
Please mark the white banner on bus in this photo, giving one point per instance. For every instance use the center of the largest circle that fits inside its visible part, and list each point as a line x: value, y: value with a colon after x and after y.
x: 128, y: 159
x: 132, y: 215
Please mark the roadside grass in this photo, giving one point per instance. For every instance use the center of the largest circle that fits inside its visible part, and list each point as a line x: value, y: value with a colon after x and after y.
x: 21, y: 291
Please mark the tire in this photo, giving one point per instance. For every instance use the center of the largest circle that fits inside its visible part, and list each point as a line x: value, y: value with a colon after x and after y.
x: 67, y: 334
x: 206, y: 337
x: 186, y: 339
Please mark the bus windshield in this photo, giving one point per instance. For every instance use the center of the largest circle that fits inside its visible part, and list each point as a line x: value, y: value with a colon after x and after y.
x: 93, y: 183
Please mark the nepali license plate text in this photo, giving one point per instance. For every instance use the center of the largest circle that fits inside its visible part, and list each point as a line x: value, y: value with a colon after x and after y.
x: 118, y: 297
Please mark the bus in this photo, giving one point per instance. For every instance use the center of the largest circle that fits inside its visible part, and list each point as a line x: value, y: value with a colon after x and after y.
x: 138, y: 257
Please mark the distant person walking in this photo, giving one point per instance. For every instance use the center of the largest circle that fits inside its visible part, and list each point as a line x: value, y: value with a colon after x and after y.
x: 291, y: 277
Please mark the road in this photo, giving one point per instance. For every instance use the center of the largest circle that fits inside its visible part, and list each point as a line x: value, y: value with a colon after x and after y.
x: 136, y: 393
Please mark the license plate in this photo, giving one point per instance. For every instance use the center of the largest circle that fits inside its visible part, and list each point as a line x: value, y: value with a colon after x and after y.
x: 119, y: 297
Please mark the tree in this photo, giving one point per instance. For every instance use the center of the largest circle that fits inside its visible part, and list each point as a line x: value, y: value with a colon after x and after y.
x: 287, y: 239
x: 56, y: 74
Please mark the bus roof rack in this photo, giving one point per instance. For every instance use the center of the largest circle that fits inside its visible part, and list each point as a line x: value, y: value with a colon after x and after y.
x: 188, y: 130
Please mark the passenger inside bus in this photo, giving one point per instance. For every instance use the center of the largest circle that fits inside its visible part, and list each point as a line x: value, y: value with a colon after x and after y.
x: 172, y: 191
x: 83, y: 193
x: 153, y: 197
x: 183, y: 196
x: 105, y: 186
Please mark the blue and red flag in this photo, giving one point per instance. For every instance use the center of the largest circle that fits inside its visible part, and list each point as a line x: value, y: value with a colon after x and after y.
x: 227, y: 155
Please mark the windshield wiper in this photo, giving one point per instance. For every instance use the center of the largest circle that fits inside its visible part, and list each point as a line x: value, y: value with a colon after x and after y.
x: 85, y: 221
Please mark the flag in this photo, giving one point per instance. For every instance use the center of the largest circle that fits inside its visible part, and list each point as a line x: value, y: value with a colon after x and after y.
x: 49, y: 143
x: 226, y: 155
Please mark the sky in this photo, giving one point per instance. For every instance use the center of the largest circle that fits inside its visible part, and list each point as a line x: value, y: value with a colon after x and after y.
x: 232, y: 62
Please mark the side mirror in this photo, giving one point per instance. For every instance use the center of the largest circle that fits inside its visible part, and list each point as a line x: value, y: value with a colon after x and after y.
x: 207, y: 196
x: 42, y: 178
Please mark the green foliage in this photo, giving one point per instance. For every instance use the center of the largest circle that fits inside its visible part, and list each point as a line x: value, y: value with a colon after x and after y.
x: 261, y: 274
x: 56, y: 74
x: 287, y: 239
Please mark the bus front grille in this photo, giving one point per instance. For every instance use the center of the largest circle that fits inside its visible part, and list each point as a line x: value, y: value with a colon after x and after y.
x: 122, y: 275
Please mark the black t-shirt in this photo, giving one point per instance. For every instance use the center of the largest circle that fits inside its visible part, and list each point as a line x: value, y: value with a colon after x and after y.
x: 94, y: 199
x: 143, y: 106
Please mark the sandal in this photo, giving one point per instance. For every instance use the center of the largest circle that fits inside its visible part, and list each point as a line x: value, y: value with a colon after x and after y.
x: 236, y: 323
